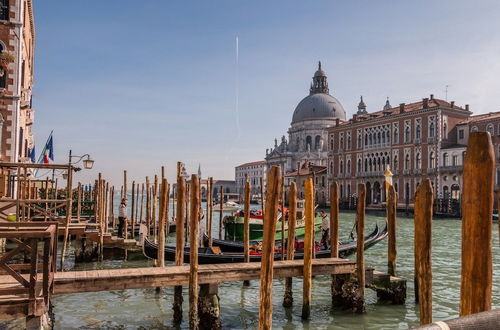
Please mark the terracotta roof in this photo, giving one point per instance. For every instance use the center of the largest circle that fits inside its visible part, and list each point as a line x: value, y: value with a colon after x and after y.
x: 431, y: 103
x: 260, y: 162
x: 317, y: 169
x: 476, y: 118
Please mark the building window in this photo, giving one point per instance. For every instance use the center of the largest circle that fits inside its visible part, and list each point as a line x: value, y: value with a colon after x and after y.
x: 348, y: 141
x: 317, y: 142
x: 432, y: 129
x: 348, y: 166
x: 366, y: 165
x: 308, y: 143
x: 418, y: 161
x: 396, y: 135
x: 445, y: 159
x: 407, y: 162
x: 454, y: 160
x: 418, y: 129
x: 407, y: 134
x: 322, y: 181
x: 461, y: 133
x: 432, y: 160
x: 473, y: 129
x: 489, y: 128
x: 445, y: 131
x: 331, y: 143
x: 331, y: 168
x: 4, y: 10
x: 395, y: 161
x: 359, y: 140
x: 341, y: 167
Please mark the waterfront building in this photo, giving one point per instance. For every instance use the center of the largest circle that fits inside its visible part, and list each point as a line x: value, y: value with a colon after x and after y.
x: 17, y: 41
x: 415, y: 141
x: 306, y: 144
x: 255, y: 172
x: 320, y: 179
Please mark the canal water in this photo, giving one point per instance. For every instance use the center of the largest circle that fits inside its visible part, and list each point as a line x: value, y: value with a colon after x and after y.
x: 146, y: 309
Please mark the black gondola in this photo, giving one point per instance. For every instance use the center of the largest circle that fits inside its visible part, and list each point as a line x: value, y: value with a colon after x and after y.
x: 208, y: 256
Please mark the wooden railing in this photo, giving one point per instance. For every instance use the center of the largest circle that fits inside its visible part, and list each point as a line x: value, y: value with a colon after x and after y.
x: 35, y: 277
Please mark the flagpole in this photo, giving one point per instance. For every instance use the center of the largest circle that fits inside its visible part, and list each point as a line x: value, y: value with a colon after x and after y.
x: 43, y: 152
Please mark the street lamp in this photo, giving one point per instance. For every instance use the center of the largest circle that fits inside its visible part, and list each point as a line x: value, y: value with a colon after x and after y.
x: 88, y: 163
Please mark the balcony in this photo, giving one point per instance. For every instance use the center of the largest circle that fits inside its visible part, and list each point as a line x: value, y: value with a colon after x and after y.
x: 406, y: 172
x: 417, y: 171
x: 431, y: 139
x: 431, y: 170
x: 451, y: 169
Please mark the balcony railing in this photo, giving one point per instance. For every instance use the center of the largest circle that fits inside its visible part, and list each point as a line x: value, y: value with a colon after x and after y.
x: 452, y: 168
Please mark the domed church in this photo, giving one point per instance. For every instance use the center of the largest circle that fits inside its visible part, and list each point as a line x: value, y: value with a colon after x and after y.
x: 306, y: 144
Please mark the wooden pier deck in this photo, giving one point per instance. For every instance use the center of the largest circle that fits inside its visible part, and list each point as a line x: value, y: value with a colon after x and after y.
x: 152, y: 277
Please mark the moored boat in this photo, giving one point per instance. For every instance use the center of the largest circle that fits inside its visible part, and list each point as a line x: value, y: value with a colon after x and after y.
x: 214, y: 256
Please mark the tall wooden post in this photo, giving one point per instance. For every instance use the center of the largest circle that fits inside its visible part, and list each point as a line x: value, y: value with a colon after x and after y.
x: 179, y: 242
x: 423, y: 236
x: 266, y: 271
x: 132, y: 210
x: 477, y: 257
x: 137, y: 204
x: 105, y: 210
x: 292, y: 217
x: 246, y: 225
x: 210, y: 212
x: 283, y: 218
x: 391, y: 227
x: 69, y: 204
x: 360, y: 252
x: 162, y: 214
x: 125, y: 195
x: 221, y: 210
x: 112, y: 207
x: 262, y: 195
x: 79, y: 202
x: 308, y: 246
x: 193, y: 252
x: 148, y: 214
x: 334, y: 220
x: 142, y: 203
x: 154, y: 202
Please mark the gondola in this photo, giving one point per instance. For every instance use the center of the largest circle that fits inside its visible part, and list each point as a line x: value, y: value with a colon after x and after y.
x: 209, y: 256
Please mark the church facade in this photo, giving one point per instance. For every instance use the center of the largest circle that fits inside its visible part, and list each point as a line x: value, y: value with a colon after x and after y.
x: 305, y: 150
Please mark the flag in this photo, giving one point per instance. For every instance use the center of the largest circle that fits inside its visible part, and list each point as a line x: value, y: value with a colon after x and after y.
x: 32, y: 155
x: 48, y: 151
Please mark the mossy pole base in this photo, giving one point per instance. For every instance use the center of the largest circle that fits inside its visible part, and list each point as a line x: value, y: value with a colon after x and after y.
x: 336, y: 289
x: 209, y: 307
x: 178, y: 300
x: 288, y: 298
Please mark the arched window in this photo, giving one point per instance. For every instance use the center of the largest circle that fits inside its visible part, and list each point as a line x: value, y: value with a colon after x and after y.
x: 395, y: 161
x: 445, y: 131
x: 388, y: 135
x: 359, y: 140
x: 366, y: 139
x: 348, y: 190
x: 489, y: 129
x: 331, y: 168
x: 341, y: 146
x: 407, y: 134
x: 322, y: 181
x: 366, y: 165
x: 359, y: 165
x: 379, y: 138
x: 431, y: 129
x: 418, y: 131
x: 349, y: 142
x: 473, y: 129
x: 331, y: 144
x: 370, y: 162
x: 445, y: 159
x: 348, y: 166
x: 407, y: 161
x: 395, y: 139
x: 341, y: 167
x: 317, y: 142
x: 418, y: 161
x: 432, y: 160
x: 4, y: 10
x: 308, y: 143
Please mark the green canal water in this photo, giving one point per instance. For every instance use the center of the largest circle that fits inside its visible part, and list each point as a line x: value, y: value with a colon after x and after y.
x: 146, y: 309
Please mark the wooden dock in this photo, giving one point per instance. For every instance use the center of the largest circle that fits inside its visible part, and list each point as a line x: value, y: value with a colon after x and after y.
x: 151, y: 277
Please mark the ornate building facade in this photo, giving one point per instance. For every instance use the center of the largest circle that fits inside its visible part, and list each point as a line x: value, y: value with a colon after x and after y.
x: 17, y: 42
x: 415, y: 141
x: 308, y: 134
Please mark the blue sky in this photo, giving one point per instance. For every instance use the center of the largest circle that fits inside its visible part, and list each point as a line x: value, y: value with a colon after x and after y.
x: 141, y: 84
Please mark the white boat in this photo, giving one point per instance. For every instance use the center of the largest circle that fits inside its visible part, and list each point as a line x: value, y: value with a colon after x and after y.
x: 227, y: 207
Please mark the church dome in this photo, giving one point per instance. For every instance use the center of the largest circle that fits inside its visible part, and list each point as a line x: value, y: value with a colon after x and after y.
x: 319, y: 104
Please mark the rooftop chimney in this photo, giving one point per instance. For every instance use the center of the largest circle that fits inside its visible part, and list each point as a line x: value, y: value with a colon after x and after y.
x: 466, y: 107
x: 425, y: 103
x: 452, y: 103
x: 337, y: 122
x: 401, y: 107
x: 354, y: 117
x: 432, y: 96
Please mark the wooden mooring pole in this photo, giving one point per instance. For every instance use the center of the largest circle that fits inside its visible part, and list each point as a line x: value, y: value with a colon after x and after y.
x: 308, y: 247
x: 292, y: 217
x: 246, y: 225
x: 359, y: 306
x: 221, y: 210
x: 391, y: 228
x: 337, y: 280
x: 266, y: 272
x: 423, y: 237
x: 477, y: 257
x: 193, y: 252
x: 162, y: 218
x: 210, y: 212
x: 179, y: 241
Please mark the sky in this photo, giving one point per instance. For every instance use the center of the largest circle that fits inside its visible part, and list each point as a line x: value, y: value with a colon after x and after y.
x: 144, y: 84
